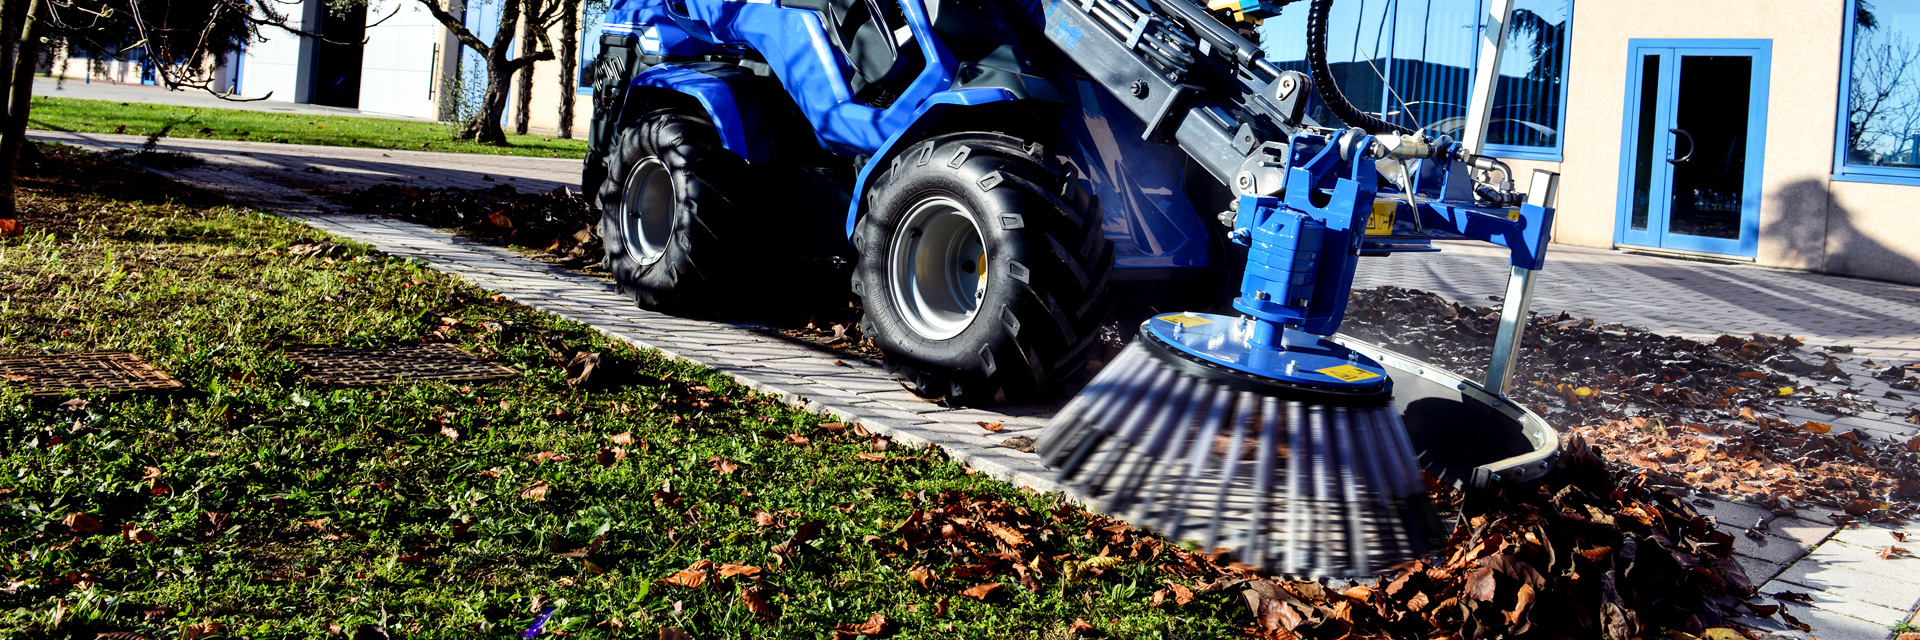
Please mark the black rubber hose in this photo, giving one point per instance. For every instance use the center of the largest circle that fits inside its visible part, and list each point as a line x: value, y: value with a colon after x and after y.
x: 1323, y: 77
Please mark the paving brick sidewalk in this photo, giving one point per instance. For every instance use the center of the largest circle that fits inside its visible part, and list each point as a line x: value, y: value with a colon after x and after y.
x: 1857, y: 594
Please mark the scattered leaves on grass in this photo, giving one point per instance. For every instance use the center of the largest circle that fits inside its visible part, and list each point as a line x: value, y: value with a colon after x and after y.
x: 756, y: 602
x: 691, y: 577
x: 981, y: 591
x: 876, y: 626
x: 537, y: 493
x: 137, y: 535
x: 732, y: 569
x: 81, y: 523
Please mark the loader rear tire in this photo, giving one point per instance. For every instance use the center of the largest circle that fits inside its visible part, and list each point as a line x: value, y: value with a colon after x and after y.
x: 983, y: 270
x: 672, y: 208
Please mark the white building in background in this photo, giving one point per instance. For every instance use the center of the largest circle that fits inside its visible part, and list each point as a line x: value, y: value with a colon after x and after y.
x: 387, y: 57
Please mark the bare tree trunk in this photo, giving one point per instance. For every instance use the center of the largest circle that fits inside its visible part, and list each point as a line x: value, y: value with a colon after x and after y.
x: 569, y: 62
x: 20, y: 102
x: 523, y: 100
x: 12, y: 14
x: 484, y: 126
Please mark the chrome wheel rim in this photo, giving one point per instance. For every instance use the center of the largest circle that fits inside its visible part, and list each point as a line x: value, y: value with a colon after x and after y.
x: 938, y: 268
x: 646, y: 211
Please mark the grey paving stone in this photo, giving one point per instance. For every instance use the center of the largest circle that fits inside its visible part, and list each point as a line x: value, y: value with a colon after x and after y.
x: 1846, y: 620
x: 1836, y: 563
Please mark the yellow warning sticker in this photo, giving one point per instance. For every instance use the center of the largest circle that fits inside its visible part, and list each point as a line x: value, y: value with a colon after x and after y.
x: 1184, y: 320
x: 1513, y: 214
x: 1380, y: 223
x: 1349, y: 373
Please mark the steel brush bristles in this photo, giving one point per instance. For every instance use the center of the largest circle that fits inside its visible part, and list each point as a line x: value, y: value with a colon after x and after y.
x: 1296, y: 489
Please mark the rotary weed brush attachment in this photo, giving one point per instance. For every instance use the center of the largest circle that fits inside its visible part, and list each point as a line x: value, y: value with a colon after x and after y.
x: 1267, y: 435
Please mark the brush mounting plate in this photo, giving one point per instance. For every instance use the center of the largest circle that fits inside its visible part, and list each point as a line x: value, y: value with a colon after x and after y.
x: 1295, y: 359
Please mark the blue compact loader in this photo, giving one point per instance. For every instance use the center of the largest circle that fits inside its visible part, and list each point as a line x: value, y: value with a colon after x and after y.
x: 1002, y: 173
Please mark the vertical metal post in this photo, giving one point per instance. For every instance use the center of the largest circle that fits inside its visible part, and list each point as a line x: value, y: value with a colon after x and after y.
x: 1541, y: 191
x: 1486, y: 75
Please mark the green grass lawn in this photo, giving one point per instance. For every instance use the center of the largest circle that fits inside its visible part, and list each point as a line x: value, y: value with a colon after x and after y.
x: 97, y: 116
x: 274, y: 507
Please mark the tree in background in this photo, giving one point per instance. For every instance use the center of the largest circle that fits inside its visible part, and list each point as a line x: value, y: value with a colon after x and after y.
x: 484, y: 125
x: 569, y: 63
x: 180, y: 39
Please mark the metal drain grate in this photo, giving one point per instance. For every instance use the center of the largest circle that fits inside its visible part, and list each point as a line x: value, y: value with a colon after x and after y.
x: 368, y: 367
x: 71, y: 372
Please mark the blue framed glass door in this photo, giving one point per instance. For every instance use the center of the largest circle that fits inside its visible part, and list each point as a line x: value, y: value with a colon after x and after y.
x: 1691, y: 145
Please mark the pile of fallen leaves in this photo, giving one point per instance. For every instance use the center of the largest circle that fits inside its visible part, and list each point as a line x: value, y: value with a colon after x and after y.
x: 1588, y: 553
x: 1579, y: 372
x: 558, y: 222
x: 1694, y: 414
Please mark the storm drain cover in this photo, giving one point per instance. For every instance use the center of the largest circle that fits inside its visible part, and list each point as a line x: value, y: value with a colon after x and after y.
x: 367, y: 367
x: 73, y: 372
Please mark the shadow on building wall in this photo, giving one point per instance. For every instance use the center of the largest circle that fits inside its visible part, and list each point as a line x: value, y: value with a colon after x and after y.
x: 1819, y: 234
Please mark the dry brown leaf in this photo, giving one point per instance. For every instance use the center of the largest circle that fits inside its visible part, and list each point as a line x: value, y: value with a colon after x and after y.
x: 833, y: 426
x: 537, y: 493
x: 1898, y: 536
x: 763, y: 519
x: 922, y: 575
x: 624, y: 438
x: 994, y: 426
x: 981, y: 591
x: 1181, y: 594
x: 490, y: 473
x: 81, y: 523
x: 871, y: 457
x: 732, y: 569
x: 758, y: 604
x: 450, y: 432
x: 673, y: 633
x: 1080, y: 627
x: 544, y: 456
x: 610, y: 456
x: 876, y: 626
x: 691, y: 577
x: 797, y: 439
x: 133, y: 533
x: 1892, y: 551
x: 722, y: 466
x: 1816, y: 427
x: 1480, y: 584
x: 1006, y: 534
x: 201, y: 629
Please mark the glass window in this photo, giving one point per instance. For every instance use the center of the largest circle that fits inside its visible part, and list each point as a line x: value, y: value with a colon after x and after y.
x: 1412, y: 62
x: 594, y: 14
x: 1880, y: 119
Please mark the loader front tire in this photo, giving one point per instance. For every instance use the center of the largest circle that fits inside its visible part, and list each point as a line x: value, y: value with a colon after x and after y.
x: 669, y: 193
x: 983, y: 270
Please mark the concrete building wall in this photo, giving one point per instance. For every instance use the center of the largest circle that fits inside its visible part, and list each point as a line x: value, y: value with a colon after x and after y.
x: 402, y: 60
x: 1807, y: 219
x: 276, y: 65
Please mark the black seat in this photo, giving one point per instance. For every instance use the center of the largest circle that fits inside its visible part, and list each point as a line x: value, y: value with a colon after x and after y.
x: 874, y: 38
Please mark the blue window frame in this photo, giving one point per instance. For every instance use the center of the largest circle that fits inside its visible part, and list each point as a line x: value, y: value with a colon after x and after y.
x: 1412, y: 62
x: 1878, y: 137
x: 594, y: 13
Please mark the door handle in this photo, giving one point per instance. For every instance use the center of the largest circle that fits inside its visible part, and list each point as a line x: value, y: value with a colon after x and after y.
x: 1690, y: 146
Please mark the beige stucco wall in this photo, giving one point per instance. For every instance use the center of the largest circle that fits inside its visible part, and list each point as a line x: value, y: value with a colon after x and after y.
x: 1807, y: 220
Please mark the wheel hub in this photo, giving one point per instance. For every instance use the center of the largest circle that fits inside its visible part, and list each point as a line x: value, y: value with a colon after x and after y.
x: 646, y: 211
x: 938, y: 268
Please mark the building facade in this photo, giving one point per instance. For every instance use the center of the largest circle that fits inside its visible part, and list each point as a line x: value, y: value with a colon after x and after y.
x: 1779, y: 133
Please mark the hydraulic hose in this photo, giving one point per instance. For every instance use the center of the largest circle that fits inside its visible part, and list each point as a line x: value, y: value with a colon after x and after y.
x: 1323, y: 77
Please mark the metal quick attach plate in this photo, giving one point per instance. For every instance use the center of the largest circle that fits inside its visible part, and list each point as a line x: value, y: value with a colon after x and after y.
x: 1308, y: 360
x: 67, y: 373
x: 368, y: 367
